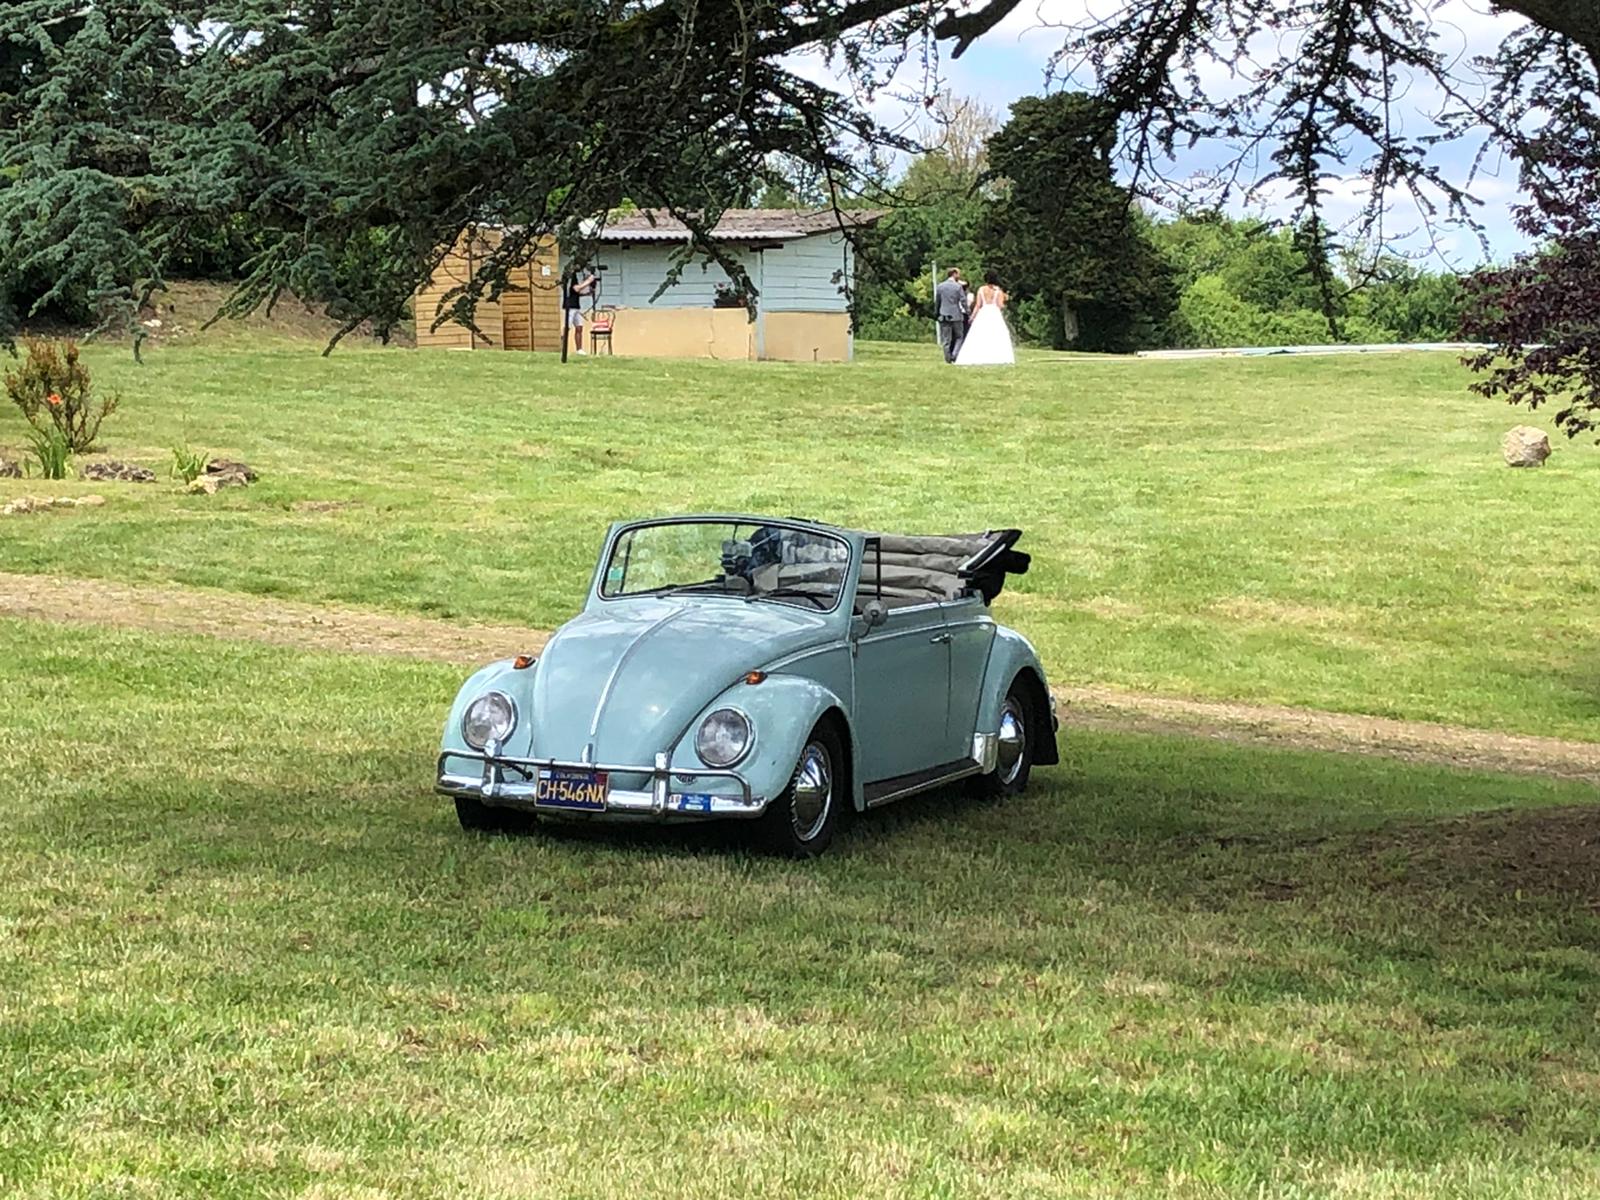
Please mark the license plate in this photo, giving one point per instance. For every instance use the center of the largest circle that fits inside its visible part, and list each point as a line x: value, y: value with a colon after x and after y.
x: 582, y: 791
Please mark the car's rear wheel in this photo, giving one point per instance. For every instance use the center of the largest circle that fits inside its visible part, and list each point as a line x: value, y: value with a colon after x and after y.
x: 1013, y: 759
x: 801, y: 822
x: 477, y: 817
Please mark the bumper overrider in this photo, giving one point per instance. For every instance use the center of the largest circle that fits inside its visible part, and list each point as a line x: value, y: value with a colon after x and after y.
x: 671, y: 792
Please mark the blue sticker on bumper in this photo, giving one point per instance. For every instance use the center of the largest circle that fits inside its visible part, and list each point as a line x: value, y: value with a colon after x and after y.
x: 692, y: 802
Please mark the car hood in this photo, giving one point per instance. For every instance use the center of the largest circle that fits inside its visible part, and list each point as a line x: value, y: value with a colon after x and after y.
x: 630, y: 676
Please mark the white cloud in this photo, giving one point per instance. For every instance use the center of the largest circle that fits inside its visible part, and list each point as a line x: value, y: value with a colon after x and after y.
x: 1466, y: 27
x: 1407, y: 226
x: 1469, y: 27
x: 1033, y: 19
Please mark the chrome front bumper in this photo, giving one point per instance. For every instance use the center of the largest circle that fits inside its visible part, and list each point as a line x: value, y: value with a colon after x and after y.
x: 666, y: 796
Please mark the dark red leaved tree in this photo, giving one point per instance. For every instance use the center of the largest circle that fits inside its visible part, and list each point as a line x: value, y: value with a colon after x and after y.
x: 1541, y: 314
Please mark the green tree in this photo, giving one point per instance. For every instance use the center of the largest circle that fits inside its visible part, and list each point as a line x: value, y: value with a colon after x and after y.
x: 1246, y: 281
x: 1063, y: 233
x: 1418, y: 305
x: 894, y: 298
x: 388, y: 125
x: 1271, y: 269
x: 1263, y: 264
x: 1202, y: 242
x: 84, y: 115
x: 939, y: 201
x: 359, y: 138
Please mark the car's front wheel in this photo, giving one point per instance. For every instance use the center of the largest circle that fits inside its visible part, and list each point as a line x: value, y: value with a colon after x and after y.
x: 801, y: 822
x: 477, y: 817
x: 1013, y: 759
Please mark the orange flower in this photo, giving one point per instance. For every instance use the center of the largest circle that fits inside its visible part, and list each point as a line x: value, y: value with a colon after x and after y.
x: 53, y: 399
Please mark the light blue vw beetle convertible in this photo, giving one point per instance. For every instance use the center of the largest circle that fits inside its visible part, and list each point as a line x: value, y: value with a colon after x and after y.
x: 774, y: 670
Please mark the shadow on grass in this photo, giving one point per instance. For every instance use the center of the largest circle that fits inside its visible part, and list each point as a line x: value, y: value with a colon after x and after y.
x: 855, y: 830
x: 1194, y: 825
x: 1512, y: 854
x: 1158, y: 934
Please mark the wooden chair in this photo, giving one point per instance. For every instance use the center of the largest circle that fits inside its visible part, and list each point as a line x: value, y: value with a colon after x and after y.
x: 602, y: 321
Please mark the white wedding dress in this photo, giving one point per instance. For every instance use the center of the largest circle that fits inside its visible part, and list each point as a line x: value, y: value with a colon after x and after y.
x: 988, y: 341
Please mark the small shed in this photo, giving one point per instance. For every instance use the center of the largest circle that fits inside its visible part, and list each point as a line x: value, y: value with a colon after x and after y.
x: 800, y: 261
x: 526, y: 317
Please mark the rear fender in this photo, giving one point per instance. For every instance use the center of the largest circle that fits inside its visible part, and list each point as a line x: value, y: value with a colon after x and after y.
x: 783, y: 710
x: 1011, y: 656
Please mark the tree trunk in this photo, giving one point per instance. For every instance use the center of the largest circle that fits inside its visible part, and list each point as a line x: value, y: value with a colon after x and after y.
x: 1068, y: 326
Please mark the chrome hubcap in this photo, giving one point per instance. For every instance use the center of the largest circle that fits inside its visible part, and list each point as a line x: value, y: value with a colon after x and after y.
x: 813, y: 792
x: 1013, y: 742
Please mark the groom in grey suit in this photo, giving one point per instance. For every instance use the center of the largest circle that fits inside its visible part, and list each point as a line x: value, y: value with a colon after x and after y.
x: 950, y: 302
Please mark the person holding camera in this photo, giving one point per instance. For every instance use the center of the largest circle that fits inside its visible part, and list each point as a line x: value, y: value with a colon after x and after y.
x: 580, y: 283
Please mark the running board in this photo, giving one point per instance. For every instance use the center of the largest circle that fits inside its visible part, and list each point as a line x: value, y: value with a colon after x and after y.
x: 886, y: 790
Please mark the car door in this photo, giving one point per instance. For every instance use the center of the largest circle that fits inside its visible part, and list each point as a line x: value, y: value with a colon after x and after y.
x: 971, y: 631
x: 902, y: 690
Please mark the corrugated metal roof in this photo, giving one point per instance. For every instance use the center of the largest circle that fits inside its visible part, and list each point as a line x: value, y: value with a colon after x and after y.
x: 735, y: 224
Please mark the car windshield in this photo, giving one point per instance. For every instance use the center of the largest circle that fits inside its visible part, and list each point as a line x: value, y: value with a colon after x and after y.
x: 744, y: 559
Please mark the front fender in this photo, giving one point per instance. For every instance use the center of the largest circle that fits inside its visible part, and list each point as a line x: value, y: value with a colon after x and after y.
x: 783, y: 710
x: 1011, y: 655
x: 500, y: 676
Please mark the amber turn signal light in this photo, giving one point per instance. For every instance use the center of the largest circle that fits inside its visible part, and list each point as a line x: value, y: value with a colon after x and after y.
x: 522, y: 662
x: 755, y: 676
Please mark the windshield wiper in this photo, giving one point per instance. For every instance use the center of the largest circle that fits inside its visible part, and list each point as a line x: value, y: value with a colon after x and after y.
x: 799, y: 593
x: 667, y: 589
x: 720, y: 583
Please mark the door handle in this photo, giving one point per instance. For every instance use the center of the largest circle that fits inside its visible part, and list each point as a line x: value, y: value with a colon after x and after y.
x: 940, y: 637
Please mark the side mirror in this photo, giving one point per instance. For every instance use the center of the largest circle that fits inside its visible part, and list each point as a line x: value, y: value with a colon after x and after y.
x: 874, y: 613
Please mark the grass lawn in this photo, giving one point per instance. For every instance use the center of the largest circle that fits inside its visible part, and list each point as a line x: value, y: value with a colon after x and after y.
x: 1330, y: 532
x: 245, y: 953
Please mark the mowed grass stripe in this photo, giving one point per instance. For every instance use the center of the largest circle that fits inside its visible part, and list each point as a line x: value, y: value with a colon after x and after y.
x: 247, y: 952
x: 1333, y: 533
x: 347, y: 630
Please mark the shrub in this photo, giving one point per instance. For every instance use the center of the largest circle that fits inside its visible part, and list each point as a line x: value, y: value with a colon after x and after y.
x: 188, y: 465
x: 53, y: 390
x: 49, y: 448
x: 1211, y: 315
x: 1031, y: 320
x: 1415, y: 306
x: 898, y: 328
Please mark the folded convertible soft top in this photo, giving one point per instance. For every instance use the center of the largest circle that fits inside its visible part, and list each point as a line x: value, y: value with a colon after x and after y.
x: 916, y: 568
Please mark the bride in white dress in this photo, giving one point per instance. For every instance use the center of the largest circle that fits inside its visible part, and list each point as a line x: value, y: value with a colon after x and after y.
x: 988, y: 341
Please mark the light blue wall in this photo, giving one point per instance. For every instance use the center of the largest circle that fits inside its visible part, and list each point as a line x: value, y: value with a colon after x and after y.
x: 805, y: 275
x: 808, y: 275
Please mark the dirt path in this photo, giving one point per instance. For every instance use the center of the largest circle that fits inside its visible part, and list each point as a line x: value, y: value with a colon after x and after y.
x: 258, y: 618
x: 1310, y: 729
x: 362, y: 631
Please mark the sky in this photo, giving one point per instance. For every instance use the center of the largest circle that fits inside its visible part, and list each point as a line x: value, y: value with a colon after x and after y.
x: 1011, y: 61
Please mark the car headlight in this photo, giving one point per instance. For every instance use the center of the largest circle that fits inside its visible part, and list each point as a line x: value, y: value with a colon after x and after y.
x: 723, y: 738
x: 492, y: 716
